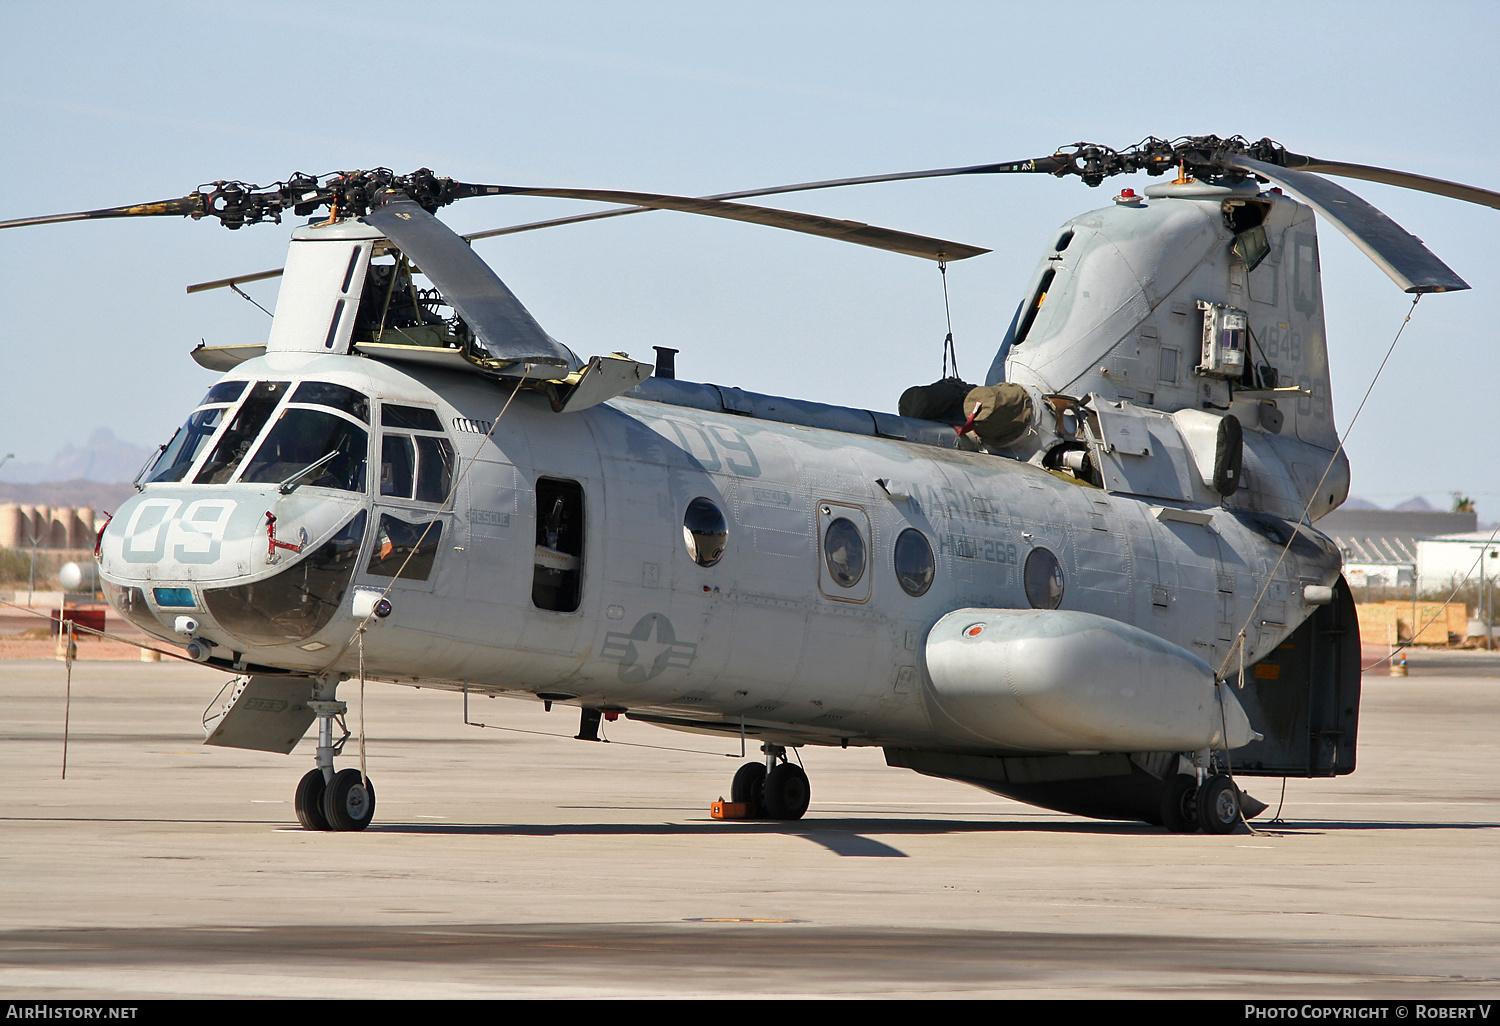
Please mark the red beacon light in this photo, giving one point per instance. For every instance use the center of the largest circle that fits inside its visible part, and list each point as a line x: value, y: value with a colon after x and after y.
x: 1128, y: 198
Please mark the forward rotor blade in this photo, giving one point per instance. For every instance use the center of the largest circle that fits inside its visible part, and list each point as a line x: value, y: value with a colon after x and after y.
x: 1395, y: 251
x: 1039, y: 165
x: 1403, y: 179
x: 881, y: 238
x: 181, y: 207
x: 507, y: 329
x: 239, y: 279
x: 809, y: 224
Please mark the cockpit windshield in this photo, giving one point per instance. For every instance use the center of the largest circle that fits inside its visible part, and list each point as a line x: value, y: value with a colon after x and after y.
x: 318, y: 421
x: 186, y: 444
x: 254, y: 413
x: 300, y: 439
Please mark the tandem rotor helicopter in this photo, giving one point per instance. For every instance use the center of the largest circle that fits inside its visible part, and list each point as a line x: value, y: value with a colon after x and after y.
x: 1091, y: 583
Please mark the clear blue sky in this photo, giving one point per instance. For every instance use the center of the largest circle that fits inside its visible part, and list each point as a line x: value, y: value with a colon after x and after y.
x: 106, y: 104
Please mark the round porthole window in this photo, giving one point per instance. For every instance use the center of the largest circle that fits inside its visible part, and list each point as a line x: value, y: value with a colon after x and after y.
x: 1044, y: 580
x: 915, y: 566
x: 844, y: 552
x: 705, y: 531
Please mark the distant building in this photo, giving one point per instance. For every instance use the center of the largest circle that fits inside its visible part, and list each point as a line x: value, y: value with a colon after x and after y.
x: 1445, y: 560
x: 1380, y: 545
x: 51, y: 527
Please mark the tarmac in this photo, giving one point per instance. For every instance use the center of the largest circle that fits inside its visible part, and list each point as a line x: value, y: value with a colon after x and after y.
x: 518, y: 862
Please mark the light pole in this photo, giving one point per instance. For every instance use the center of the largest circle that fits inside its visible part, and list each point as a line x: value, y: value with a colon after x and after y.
x: 1485, y: 610
x: 31, y: 589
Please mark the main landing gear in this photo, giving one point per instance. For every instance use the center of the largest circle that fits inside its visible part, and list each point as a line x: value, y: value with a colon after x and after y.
x: 1213, y: 806
x: 328, y: 800
x: 775, y: 789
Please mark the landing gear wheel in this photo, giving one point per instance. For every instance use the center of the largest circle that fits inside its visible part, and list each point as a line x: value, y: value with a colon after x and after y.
x: 309, y: 801
x: 349, y: 802
x: 1218, y: 805
x: 1179, y: 804
x: 787, y: 792
x: 749, y: 787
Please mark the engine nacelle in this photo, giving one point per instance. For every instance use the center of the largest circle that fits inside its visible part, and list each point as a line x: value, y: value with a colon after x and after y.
x: 1053, y: 680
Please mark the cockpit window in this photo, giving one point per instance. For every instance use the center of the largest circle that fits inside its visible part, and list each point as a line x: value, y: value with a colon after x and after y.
x: 416, y: 467
x: 339, y: 397
x: 418, y: 418
x: 185, y: 445
x: 434, y: 468
x: 300, y: 439
x: 254, y: 413
x: 297, y: 602
x: 224, y: 392
x: 397, y: 466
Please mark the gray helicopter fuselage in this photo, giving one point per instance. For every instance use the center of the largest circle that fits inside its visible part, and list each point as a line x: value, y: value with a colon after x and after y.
x: 772, y: 634
x: 1058, y: 585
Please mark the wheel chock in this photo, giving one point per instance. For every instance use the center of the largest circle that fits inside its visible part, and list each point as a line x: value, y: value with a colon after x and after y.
x: 731, y: 810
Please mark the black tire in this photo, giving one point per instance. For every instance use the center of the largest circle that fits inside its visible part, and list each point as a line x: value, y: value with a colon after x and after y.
x: 1179, y: 804
x: 349, y: 802
x: 309, y: 801
x: 787, y: 792
x: 1218, y: 805
x: 749, y: 786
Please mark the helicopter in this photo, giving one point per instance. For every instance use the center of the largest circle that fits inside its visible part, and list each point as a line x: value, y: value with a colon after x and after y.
x: 1092, y: 583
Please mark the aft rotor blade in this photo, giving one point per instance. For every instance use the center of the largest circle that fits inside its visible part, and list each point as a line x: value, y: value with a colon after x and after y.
x: 183, y: 206
x: 508, y: 330
x: 809, y: 224
x: 1403, y: 179
x: 1395, y: 251
x: 1039, y: 165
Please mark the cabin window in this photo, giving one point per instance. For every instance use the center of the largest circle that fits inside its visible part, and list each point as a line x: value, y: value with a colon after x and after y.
x: 844, y: 552
x: 557, y: 577
x: 705, y: 532
x: 1043, y: 579
x: 915, y: 566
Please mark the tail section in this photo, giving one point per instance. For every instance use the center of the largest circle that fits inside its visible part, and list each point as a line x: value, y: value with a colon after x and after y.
x: 1202, y: 297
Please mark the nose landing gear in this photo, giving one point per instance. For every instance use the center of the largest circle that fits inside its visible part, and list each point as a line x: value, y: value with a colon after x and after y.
x: 326, y: 800
x: 775, y: 789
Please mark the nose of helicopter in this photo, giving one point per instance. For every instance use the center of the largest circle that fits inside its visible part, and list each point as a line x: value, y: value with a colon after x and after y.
x: 241, y: 566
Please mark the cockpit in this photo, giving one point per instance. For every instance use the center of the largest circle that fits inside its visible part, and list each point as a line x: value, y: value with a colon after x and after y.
x: 269, y: 432
x: 267, y: 557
